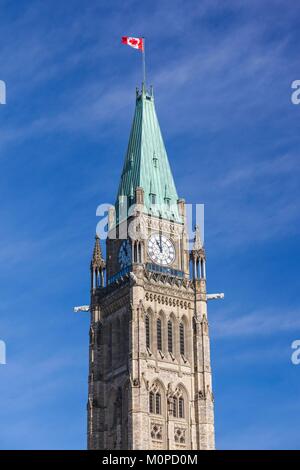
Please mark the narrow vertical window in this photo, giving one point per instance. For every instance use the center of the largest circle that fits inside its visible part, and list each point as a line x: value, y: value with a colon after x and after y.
x: 170, y: 336
x: 175, y: 405
x: 159, y: 338
x: 157, y: 403
x: 181, y: 339
x: 151, y: 402
x: 147, y: 326
x: 181, y: 407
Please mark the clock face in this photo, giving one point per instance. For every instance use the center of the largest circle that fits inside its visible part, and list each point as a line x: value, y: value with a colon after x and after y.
x: 125, y: 254
x: 161, y: 250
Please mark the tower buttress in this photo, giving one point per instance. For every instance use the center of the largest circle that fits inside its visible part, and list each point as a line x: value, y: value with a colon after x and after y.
x: 204, y: 407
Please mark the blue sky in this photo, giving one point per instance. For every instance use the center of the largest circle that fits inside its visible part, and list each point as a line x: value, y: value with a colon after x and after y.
x: 222, y: 74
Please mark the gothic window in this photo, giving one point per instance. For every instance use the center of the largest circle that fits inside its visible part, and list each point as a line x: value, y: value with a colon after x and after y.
x: 170, y: 336
x: 139, y: 253
x: 147, y: 326
x: 179, y: 404
x: 134, y: 252
x: 181, y: 407
x: 155, y: 400
x: 181, y: 339
x: 159, y: 336
x: 157, y: 403
x: 175, y: 407
x: 151, y: 402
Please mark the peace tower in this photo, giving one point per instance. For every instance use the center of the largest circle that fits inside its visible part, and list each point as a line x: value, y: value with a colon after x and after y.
x: 149, y: 358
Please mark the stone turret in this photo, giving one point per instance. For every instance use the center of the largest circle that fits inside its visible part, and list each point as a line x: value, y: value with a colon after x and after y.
x: 97, y: 266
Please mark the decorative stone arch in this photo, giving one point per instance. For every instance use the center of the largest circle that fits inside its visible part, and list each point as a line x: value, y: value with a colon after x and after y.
x: 181, y: 392
x: 157, y: 421
x: 157, y: 388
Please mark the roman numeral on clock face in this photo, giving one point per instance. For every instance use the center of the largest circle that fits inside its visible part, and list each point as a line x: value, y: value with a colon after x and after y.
x: 161, y: 249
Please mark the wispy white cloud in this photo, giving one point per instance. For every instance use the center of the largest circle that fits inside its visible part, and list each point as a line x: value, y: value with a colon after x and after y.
x: 260, y: 322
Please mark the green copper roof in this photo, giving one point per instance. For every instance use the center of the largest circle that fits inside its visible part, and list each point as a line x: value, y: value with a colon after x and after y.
x: 146, y: 164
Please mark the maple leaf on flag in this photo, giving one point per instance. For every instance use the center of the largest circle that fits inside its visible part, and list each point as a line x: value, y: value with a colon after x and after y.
x: 136, y: 43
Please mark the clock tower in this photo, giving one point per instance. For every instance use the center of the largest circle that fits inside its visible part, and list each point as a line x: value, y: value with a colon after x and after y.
x: 149, y: 360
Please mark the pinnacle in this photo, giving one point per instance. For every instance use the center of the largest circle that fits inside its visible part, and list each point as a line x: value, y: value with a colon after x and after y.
x: 97, y: 253
x: 198, y: 245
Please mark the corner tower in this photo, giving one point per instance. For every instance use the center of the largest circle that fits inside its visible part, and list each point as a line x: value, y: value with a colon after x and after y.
x: 150, y: 375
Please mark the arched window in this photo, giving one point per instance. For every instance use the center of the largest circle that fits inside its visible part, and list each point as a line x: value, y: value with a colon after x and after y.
x: 159, y: 337
x: 178, y: 404
x: 155, y: 400
x: 157, y: 403
x: 175, y: 407
x: 170, y: 336
x: 181, y: 339
x: 151, y: 402
x: 147, y: 327
x: 181, y: 407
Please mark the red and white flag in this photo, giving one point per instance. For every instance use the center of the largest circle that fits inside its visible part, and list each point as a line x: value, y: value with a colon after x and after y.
x: 136, y: 43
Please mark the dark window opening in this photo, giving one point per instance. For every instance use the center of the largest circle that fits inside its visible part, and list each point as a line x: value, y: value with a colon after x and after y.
x: 181, y: 339
x: 170, y: 336
x: 147, y: 326
x: 159, y: 335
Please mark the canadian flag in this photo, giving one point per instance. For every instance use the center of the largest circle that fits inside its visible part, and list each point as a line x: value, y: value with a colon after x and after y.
x: 136, y: 43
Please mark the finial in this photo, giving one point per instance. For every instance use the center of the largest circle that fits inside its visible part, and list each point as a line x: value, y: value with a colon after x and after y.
x: 198, y: 245
x: 97, y: 253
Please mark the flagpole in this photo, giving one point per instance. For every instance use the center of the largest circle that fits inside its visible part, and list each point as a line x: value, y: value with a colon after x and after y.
x: 144, y: 64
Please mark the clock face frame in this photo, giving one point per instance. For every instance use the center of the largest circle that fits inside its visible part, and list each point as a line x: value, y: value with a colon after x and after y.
x: 124, y: 256
x: 161, y: 249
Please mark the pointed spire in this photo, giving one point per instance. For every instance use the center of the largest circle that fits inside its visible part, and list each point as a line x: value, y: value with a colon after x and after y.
x: 149, y: 169
x: 198, y: 245
x: 97, y: 260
